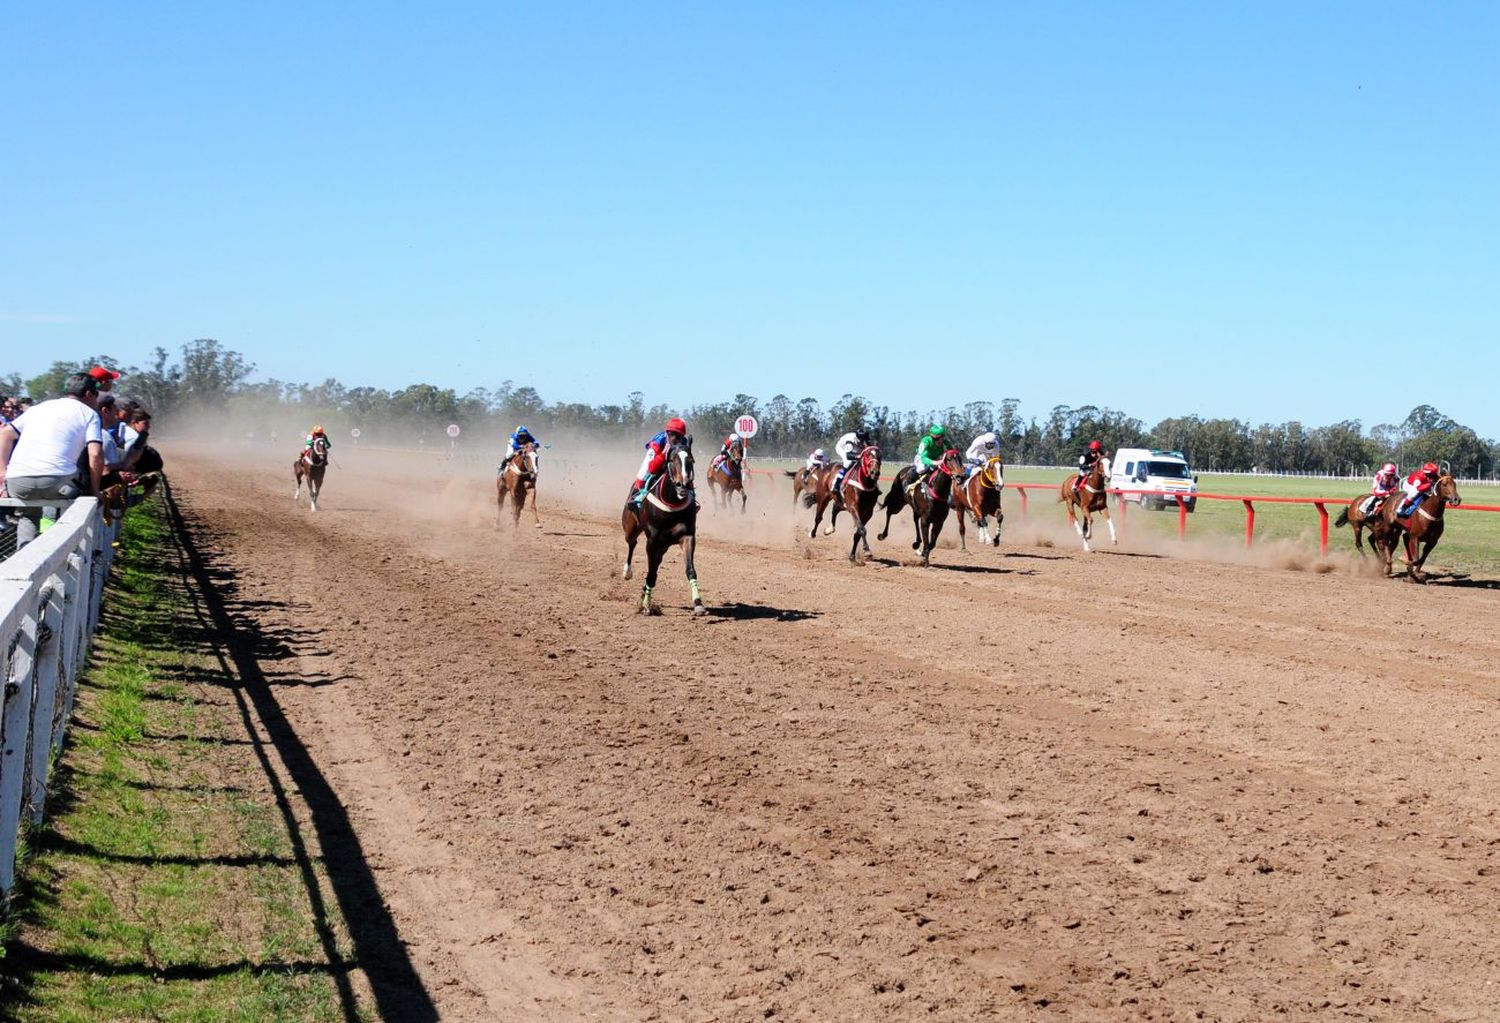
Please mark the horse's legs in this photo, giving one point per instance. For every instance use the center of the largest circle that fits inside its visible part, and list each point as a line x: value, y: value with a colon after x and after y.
x: 313, y: 486
x: 1114, y: 540
x: 689, y: 547
x: 818, y: 509
x: 744, y: 498
x: 833, y: 518
x: 654, y: 551
x: 1359, y: 545
x: 517, y: 502
x: 1415, y: 572
x: 631, y: 524
x: 895, y: 500
x: 536, y: 514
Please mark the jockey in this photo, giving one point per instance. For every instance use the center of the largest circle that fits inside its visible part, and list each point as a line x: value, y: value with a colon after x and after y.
x: 1386, y: 482
x: 317, y: 431
x: 521, y: 437
x: 817, y: 460
x: 1090, y: 458
x: 733, y: 448
x: 929, y: 453
x: 981, y: 450
x: 848, y: 449
x: 674, y: 431
x: 1416, y: 486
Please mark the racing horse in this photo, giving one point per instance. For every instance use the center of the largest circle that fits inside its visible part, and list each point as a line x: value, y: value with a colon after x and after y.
x: 856, y: 494
x: 1359, y: 515
x: 979, y: 495
x: 1085, y: 495
x: 667, y: 516
x: 517, y: 478
x: 929, y: 501
x: 726, y: 475
x: 1422, y: 527
x: 310, y: 467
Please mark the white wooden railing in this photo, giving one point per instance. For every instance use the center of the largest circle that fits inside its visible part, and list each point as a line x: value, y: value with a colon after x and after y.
x: 50, y: 594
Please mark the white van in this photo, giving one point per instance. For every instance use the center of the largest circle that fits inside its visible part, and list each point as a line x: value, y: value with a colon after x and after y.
x: 1148, y: 469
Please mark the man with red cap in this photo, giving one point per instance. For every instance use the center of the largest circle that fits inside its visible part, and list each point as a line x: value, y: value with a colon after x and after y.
x: 105, y: 376
x: 675, y: 431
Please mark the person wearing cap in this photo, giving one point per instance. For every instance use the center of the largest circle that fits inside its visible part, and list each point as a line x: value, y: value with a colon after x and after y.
x: 317, y: 431
x: 109, y: 424
x: 1416, y: 486
x: 1087, y: 460
x: 105, y: 376
x: 674, y: 432
x: 39, y: 451
x: 517, y: 441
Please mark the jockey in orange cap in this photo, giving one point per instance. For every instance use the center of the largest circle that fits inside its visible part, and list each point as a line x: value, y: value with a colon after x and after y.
x: 317, y: 431
x: 675, y: 431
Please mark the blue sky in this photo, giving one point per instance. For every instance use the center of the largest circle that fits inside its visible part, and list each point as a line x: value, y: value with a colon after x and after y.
x: 1267, y: 211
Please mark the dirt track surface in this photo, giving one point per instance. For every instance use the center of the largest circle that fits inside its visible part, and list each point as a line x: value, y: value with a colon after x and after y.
x: 1023, y: 784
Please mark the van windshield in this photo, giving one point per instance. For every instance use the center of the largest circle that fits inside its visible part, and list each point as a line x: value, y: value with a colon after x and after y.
x: 1169, y: 470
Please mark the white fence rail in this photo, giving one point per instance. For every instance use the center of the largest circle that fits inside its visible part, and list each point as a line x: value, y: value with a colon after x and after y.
x: 50, y: 594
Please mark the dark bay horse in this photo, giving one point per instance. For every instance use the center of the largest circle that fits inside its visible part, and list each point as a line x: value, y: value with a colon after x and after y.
x: 1358, y: 515
x: 1421, y: 528
x: 310, y: 467
x: 929, y: 501
x: 1085, y: 495
x: 668, y: 516
x: 517, y: 479
x: 979, y: 495
x: 726, y: 476
x: 856, y: 494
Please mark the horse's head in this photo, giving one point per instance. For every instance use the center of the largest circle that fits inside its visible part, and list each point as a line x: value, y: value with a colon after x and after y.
x: 952, y: 463
x: 1448, y: 490
x: 993, y: 473
x: 319, y: 450
x: 679, y: 468
x: 869, y: 463
x: 526, y: 461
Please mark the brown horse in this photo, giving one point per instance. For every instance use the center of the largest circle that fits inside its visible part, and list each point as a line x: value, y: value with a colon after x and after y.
x: 726, y: 476
x: 856, y: 494
x: 979, y: 495
x: 1084, y: 496
x: 517, y: 478
x: 929, y: 500
x: 1358, y: 515
x: 668, y: 516
x: 1422, y: 527
x: 310, y: 467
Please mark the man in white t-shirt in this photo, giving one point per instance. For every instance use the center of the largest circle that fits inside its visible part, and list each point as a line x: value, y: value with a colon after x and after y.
x: 39, y: 451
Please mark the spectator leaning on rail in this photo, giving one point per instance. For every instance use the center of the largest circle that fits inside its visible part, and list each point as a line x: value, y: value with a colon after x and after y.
x: 39, y: 452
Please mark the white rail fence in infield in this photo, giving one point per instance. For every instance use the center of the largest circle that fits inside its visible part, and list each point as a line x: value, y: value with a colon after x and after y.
x: 50, y: 593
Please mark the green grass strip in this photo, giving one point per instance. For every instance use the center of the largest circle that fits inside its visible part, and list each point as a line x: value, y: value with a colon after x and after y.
x: 161, y: 886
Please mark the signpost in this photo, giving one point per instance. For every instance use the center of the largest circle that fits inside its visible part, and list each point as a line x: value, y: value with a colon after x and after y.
x: 453, y: 432
x: 746, y: 427
x: 355, y: 434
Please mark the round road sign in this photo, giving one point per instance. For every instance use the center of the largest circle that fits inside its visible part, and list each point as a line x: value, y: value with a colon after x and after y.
x: 453, y: 430
x: 746, y: 426
x: 354, y: 433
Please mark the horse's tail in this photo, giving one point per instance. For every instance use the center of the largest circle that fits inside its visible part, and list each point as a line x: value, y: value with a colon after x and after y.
x: 791, y: 473
x: 1343, y: 519
x: 809, y: 498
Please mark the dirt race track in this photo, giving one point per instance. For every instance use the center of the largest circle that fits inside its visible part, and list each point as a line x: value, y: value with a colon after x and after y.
x: 1022, y: 784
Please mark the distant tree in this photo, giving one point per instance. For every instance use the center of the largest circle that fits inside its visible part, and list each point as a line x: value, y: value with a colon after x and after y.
x: 210, y: 373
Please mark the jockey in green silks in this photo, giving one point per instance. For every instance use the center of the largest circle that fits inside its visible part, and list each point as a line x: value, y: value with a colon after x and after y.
x: 929, y: 452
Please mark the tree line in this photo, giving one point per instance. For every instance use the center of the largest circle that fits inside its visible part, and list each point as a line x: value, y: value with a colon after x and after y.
x: 211, y: 380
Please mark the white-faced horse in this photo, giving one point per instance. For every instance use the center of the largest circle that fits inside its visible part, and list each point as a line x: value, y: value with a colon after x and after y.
x: 518, y: 478
x: 310, y: 467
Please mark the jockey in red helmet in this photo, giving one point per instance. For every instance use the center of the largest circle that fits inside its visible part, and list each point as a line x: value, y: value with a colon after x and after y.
x: 1087, y: 460
x: 1416, y: 486
x: 675, y: 431
x: 317, y: 431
